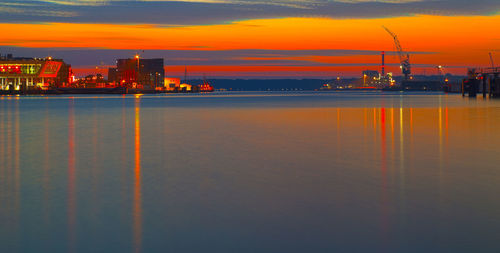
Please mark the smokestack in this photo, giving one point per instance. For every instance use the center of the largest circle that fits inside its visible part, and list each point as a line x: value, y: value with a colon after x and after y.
x: 383, y: 63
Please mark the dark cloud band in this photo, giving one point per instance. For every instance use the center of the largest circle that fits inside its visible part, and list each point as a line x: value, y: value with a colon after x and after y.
x: 212, y: 12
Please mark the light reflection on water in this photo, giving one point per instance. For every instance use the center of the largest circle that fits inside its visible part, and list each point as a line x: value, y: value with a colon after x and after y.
x: 261, y: 172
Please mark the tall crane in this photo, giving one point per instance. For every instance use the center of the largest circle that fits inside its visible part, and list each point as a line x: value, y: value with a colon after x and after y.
x: 491, y: 61
x: 404, y: 58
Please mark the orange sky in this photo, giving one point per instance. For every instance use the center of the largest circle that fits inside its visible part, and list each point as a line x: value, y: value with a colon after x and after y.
x: 455, y: 41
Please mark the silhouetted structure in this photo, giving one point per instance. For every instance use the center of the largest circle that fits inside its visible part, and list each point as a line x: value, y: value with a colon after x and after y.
x: 140, y: 73
x: 112, y: 75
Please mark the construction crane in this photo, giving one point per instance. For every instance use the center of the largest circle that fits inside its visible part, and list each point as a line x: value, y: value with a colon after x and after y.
x: 404, y: 58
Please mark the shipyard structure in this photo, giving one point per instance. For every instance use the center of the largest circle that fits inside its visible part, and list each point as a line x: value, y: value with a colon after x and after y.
x: 149, y: 75
x: 22, y: 74
x: 137, y: 73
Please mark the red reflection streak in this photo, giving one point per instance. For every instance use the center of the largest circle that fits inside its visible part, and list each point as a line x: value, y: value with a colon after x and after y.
x: 71, y: 177
x: 384, y: 202
x: 383, y: 141
x: 6, y: 177
x: 392, y: 132
x: 9, y: 139
x: 137, y: 212
x: 46, y: 167
x: 2, y: 142
x: 17, y: 143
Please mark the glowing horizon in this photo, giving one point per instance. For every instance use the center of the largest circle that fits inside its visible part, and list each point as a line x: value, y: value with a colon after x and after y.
x: 455, y: 42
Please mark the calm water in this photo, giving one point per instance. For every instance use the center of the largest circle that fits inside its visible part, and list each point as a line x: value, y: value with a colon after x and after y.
x: 250, y: 172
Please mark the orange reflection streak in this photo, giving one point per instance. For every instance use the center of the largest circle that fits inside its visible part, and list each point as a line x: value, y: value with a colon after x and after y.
x: 365, y: 122
x: 124, y: 143
x: 440, y: 127
x: 17, y: 171
x: 402, y: 172
x: 382, y: 131
x: 446, y: 125
x: 16, y: 147
x: 440, y: 123
x: 137, y: 215
x: 71, y: 177
x: 401, y: 137
x: 338, y: 133
x: 365, y: 118
x: 411, y: 125
x: 94, y: 191
x: 374, y: 125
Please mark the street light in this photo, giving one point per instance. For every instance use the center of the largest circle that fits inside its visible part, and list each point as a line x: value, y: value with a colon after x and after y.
x: 137, y: 73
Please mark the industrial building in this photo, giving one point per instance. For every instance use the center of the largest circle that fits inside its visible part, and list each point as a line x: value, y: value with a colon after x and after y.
x: 112, y: 75
x: 140, y: 73
x: 18, y: 73
x: 370, y: 77
x: 172, y: 84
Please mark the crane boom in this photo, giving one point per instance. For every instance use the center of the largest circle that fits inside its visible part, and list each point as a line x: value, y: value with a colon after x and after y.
x: 404, y: 58
x: 491, y: 60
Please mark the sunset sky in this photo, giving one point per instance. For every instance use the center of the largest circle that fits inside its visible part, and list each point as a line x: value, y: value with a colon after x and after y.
x: 262, y: 38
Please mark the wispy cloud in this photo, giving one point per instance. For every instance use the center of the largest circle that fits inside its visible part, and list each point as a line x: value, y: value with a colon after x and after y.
x: 189, y: 12
x: 78, y: 2
x: 37, y: 12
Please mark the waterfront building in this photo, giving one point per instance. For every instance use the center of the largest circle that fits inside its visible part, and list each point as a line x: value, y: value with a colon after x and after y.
x: 171, y: 83
x: 19, y: 73
x: 140, y: 73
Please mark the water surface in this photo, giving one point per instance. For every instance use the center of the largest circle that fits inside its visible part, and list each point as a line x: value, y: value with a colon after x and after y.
x: 250, y: 172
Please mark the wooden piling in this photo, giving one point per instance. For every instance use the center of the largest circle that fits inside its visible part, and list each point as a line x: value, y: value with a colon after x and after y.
x: 484, y: 86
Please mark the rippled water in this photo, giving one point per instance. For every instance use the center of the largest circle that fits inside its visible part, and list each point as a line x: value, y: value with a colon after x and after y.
x: 250, y: 172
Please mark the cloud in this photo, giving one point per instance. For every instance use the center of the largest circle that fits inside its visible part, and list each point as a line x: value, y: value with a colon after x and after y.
x: 243, y: 57
x: 24, y: 10
x: 191, y: 12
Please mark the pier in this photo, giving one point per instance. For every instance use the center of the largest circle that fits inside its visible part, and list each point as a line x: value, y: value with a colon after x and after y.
x: 482, y: 80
